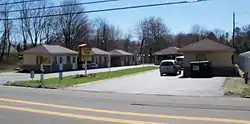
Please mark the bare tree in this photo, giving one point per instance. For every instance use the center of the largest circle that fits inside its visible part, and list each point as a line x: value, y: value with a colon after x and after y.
x: 99, y: 32
x: 106, y: 36
x: 154, y: 35
x: 127, y: 45
x: 199, y: 31
x: 33, y: 29
x: 50, y: 28
x: 212, y: 36
x: 73, y: 28
x: 5, y: 38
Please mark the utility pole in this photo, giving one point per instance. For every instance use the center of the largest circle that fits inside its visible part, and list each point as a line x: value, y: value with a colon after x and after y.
x: 233, y: 38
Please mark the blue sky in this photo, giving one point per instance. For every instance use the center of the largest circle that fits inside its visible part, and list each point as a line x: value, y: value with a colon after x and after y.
x: 179, y: 18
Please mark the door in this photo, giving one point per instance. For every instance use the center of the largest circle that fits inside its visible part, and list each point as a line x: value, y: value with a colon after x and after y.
x: 74, y: 64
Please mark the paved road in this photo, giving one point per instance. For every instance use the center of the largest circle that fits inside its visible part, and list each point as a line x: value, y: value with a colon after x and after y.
x: 13, y: 76
x: 153, y: 83
x: 42, y: 106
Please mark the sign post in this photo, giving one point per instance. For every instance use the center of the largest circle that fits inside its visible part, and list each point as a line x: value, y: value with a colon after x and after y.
x: 60, y: 76
x: 32, y: 75
x: 87, y: 57
x: 86, y: 66
x: 109, y: 62
x: 42, y: 75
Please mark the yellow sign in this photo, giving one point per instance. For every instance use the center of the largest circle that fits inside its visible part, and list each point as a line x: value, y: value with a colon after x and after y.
x: 88, y: 57
x: 86, y: 51
x: 87, y: 54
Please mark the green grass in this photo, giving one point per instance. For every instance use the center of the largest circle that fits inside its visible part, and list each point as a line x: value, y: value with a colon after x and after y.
x: 72, y: 80
x: 235, y: 87
x: 246, y: 92
x: 6, y: 70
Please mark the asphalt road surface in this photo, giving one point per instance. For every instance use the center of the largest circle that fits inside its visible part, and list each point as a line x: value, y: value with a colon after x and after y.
x: 42, y: 106
x: 152, y: 83
x: 13, y: 76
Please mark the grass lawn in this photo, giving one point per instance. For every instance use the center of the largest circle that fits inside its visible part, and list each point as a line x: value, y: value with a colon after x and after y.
x: 72, y: 80
x: 236, y: 87
x: 2, y: 71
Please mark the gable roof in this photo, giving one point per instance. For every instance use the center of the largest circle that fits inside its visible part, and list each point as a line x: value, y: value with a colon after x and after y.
x: 97, y: 51
x: 166, y: 51
x: 117, y: 52
x: 206, y: 45
x: 50, y: 49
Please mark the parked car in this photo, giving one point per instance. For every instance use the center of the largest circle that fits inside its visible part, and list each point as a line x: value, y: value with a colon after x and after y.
x: 179, y: 60
x: 92, y: 65
x: 169, y: 67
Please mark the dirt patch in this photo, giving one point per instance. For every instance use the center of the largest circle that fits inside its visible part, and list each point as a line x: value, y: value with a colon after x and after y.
x: 234, y: 86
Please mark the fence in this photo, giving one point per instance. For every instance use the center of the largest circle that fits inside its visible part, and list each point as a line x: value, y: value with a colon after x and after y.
x: 243, y: 62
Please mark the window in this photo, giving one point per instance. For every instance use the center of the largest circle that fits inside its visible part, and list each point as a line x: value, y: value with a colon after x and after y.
x: 167, y: 64
x: 179, y: 59
x: 46, y: 59
x: 201, y: 57
x: 43, y: 60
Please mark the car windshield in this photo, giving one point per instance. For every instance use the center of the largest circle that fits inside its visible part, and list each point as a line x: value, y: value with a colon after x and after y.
x: 179, y: 59
x: 167, y: 63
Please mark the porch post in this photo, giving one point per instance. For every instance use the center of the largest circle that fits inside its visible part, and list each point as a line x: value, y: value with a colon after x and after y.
x: 122, y: 60
x: 156, y: 62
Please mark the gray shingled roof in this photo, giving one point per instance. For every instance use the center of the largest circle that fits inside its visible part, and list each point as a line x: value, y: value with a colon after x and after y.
x: 206, y: 45
x: 97, y: 51
x: 120, y: 53
x: 50, y: 50
x: 166, y: 51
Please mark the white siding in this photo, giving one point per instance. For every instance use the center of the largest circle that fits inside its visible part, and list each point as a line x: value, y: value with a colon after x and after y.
x: 29, y: 59
x: 64, y: 59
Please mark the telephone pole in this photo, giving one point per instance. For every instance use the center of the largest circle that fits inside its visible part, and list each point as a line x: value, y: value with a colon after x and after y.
x: 233, y: 38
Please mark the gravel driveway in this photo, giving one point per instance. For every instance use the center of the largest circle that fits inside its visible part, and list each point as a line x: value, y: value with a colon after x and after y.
x: 152, y: 83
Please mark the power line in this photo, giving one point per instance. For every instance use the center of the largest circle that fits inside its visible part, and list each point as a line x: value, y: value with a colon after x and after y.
x: 18, y: 2
x: 65, y: 5
x: 113, y: 9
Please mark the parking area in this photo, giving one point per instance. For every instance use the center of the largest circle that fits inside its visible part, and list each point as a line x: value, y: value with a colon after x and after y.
x: 152, y: 83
